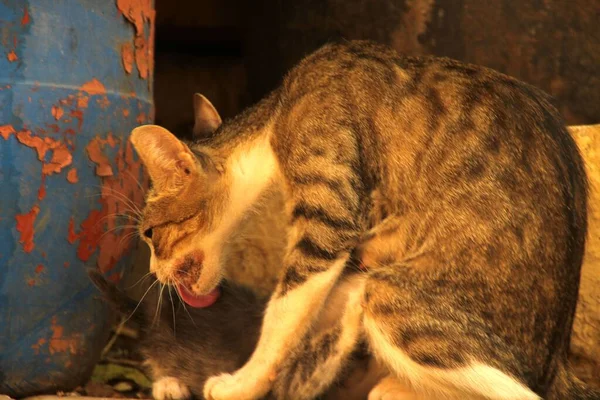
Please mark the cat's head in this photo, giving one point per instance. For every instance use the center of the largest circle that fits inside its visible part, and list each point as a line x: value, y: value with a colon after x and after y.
x: 182, y: 218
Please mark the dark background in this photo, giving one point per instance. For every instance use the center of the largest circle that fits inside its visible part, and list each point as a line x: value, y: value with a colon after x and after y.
x: 235, y: 51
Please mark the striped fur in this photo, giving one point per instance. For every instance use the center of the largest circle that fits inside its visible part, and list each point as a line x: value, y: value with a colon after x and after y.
x: 457, y: 187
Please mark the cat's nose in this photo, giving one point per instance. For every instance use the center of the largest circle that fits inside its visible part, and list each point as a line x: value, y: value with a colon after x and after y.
x: 189, y: 269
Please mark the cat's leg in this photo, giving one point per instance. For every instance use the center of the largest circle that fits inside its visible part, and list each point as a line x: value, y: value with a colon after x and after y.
x: 287, y: 319
x: 324, y: 204
x: 415, y: 326
x: 322, y: 354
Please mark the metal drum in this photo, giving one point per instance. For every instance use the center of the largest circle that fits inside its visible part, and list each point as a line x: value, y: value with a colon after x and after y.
x: 75, y: 79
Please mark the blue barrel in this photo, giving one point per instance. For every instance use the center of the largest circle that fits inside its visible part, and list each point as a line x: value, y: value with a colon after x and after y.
x: 75, y: 79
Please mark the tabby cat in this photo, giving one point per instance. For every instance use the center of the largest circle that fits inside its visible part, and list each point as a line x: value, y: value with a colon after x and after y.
x: 456, y: 189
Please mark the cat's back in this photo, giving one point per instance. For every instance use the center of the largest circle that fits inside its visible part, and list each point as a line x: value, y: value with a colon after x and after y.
x: 482, y: 190
x: 435, y: 129
x: 479, y: 165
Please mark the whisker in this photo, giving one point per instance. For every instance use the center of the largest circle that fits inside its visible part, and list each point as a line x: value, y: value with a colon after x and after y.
x: 121, y: 196
x: 124, y: 201
x: 136, y: 181
x: 146, y: 275
x: 158, y: 305
x: 125, y: 239
x: 184, y: 272
x: 129, y: 215
x: 131, y: 206
x: 183, y: 302
x: 141, y: 300
x: 173, y: 310
x: 120, y: 227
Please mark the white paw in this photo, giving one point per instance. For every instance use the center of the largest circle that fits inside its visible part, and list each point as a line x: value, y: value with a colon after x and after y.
x: 169, y: 388
x: 219, y: 387
x: 235, y: 387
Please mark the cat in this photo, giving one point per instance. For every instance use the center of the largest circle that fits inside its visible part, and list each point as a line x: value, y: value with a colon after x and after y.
x: 183, y: 347
x: 457, y: 189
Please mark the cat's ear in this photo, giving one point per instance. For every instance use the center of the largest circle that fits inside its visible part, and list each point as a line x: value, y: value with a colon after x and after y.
x: 206, y: 118
x: 169, y: 162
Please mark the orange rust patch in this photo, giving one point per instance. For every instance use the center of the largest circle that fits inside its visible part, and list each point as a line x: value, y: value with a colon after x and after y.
x: 31, y: 282
x: 39, y: 269
x: 26, y: 229
x: 127, y: 57
x: 12, y: 56
x: 36, y: 347
x: 57, y: 112
x: 25, y: 20
x: 68, y: 102
x: 141, y: 118
x: 79, y: 115
x: 82, y: 101
x: 90, y: 235
x: 66, y: 264
x: 71, y: 236
x: 40, y: 145
x: 151, y: 19
x: 93, y: 87
x: 138, y: 12
x: 106, y: 258
x: 55, y: 128
x: 99, y: 231
x: 72, y: 176
x: 6, y: 131
x: 110, y: 140
x: 125, y: 112
x: 41, y: 192
x: 58, y: 343
x: 141, y: 56
x: 61, y: 157
x: 42, y: 189
x: 94, y: 150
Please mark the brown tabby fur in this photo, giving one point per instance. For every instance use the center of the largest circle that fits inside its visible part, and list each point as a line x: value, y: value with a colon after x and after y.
x: 458, y: 188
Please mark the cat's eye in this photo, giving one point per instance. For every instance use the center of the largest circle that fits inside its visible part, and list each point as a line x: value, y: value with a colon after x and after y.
x: 148, y: 233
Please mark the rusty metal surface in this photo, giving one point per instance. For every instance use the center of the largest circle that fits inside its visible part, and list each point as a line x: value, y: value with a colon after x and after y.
x: 75, y: 78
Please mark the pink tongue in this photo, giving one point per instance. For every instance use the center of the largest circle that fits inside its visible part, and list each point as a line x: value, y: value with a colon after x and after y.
x: 198, y: 301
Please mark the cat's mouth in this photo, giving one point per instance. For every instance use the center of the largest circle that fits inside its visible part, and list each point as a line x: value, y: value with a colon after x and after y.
x: 198, y: 301
x: 189, y: 272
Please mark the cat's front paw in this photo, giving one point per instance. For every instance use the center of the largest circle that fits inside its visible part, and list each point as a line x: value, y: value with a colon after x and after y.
x: 169, y: 388
x: 216, y: 387
x: 238, y: 386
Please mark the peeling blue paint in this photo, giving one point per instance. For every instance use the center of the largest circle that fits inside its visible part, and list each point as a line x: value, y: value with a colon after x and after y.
x: 65, y: 44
